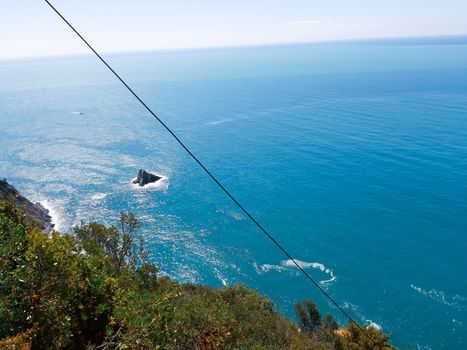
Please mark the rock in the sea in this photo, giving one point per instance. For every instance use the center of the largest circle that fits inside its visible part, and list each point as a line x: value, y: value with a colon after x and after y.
x: 36, y: 214
x: 145, y: 178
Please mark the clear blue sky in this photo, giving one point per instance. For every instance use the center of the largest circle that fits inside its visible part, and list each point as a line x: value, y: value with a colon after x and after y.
x: 29, y: 28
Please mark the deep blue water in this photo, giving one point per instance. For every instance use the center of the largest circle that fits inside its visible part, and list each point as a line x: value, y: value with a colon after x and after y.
x: 354, y: 155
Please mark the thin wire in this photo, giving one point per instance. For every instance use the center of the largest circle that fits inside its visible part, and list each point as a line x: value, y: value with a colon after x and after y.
x: 212, y: 176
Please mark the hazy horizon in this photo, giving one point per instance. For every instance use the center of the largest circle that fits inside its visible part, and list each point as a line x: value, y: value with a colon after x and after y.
x: 454, y: 39
x: 34, y: 30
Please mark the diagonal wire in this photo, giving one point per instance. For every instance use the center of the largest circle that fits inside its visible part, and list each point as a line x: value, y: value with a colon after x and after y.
x: 242, y: 208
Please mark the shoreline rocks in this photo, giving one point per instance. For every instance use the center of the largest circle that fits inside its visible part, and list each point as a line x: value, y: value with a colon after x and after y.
x: 144, y: 177
x: 35, y: 212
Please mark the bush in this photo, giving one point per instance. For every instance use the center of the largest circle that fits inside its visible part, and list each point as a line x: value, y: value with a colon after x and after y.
x: 13, y: 245
x: 95, y: 290
x: 308, y: 315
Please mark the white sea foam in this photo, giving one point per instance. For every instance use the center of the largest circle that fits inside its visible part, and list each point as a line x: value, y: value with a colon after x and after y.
x: 47, y: 204
x: 236, y: 216
x: 458, y: 302
x: 288, y: 265
x: 356, y: 311
x: 314, y: 265
x: 161, y: 184
x: 270, y: 267
x: 257, y: 269
x: 374, y: 325
x: 98, y: 196
x: 423, y: 347
x: 221, y: 278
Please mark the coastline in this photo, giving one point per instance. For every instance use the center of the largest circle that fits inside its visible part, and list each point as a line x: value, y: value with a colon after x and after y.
x: 52, y: 213
x: 35, y: 213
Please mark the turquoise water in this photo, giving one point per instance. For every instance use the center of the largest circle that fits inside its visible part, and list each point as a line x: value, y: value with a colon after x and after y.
x: 354, y: 155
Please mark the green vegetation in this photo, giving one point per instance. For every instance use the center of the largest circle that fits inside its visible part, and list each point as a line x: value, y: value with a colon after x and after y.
x: 95, y: 290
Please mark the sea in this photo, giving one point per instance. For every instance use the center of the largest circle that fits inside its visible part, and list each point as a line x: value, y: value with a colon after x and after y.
x: 353, y: 155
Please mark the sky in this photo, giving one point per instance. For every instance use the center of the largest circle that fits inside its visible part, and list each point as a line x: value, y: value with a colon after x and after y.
x: 29, y: 28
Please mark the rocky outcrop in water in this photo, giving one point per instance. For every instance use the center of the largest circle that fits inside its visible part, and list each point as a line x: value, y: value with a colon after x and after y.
x: 35, y: 212
x: 145, y: 178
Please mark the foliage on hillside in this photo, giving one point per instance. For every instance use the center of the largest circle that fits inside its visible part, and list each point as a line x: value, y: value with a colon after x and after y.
x: 95, y: 290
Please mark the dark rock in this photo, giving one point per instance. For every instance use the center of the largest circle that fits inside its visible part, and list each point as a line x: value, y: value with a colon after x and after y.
x: 35, y: 213
x: 145, y: 178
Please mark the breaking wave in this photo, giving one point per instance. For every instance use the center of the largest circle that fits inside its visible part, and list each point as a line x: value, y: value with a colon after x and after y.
x: 47, y: 204
x: 288, y: 265
x: 456, y: 301
x: 374, y: 325
x: 98, y: 196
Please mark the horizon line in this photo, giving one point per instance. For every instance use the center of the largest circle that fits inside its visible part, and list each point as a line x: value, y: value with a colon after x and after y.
x: 456, y: 39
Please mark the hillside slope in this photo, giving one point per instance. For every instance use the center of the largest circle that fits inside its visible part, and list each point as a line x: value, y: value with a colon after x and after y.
x: 96, y: 290
x: 35, y: 212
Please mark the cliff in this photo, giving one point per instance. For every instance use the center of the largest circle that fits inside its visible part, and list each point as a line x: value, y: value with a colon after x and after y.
x: 35, y: 213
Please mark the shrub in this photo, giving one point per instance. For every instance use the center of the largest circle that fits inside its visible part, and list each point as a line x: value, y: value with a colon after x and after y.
x: 95, y: 290
x: 309, y: 316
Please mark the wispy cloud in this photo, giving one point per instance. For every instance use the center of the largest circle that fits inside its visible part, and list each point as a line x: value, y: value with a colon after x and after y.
x: 308, y: 23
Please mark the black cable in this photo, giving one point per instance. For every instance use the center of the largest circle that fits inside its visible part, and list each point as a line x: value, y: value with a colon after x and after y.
x: 212, y: 176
